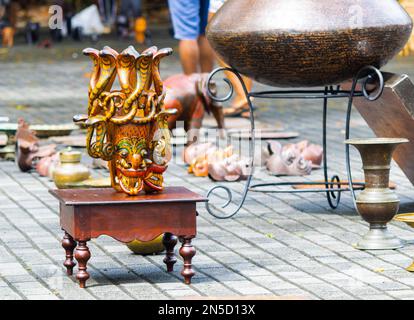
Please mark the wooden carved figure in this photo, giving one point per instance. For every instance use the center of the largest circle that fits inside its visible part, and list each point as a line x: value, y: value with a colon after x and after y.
x: 8, y: 37
x: 28, y: 148
x: 128, y: 127
x: 188, y: 94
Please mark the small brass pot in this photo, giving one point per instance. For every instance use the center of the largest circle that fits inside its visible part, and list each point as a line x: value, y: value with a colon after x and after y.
x: 70, y: 169
x: 149, y: 247
x: 377, y: 203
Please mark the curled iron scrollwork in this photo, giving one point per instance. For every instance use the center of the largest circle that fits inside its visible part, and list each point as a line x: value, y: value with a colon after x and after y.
x: 369, y: 75
x: 229, y: 192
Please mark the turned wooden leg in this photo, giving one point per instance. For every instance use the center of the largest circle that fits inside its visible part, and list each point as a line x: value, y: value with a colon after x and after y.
x: 169, y: 240
x: 82, y: 255
x: 69, y: 245
x: 187, y: 251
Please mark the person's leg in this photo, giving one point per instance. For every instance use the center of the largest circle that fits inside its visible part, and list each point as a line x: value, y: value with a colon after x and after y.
x: 186, y: 23
x: 112, y: 11
x: 239, y: 103
x: 124, y: 8
x: 189, y: 56
x: 136, y: 8
x: 239, y: 100
x: 205, y: 50
x: 206, y: 55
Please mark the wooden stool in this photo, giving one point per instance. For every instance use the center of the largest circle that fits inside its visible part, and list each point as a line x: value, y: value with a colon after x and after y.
x: 89, y: 213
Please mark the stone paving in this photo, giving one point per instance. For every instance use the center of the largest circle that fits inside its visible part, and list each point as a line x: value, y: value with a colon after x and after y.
x: 277, y: 245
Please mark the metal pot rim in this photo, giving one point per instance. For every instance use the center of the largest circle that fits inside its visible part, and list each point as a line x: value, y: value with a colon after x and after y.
x: 361, y: 141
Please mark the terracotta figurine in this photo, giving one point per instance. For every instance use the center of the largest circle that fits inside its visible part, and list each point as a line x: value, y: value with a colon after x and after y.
x: 219, y: 164
x: 28, y: 150
x: 188, y: 94
x: 233, y: 168
x: 292, y: 159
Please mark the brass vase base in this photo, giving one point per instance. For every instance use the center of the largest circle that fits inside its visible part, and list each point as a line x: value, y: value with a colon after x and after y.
x: 379, y: 239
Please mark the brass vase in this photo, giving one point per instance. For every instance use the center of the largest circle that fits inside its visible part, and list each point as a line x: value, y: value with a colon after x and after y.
x: 70, y: 169
x: 148, y: 247
x: 377, y: 203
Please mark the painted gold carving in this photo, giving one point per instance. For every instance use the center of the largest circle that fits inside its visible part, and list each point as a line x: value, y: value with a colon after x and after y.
x: 128, y: 127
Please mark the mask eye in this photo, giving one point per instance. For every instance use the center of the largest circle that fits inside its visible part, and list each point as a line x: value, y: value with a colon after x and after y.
x: 123, y: 153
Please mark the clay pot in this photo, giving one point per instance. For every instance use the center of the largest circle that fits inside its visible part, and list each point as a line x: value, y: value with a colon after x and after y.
x: 70, y: 169
x: 305, y: 43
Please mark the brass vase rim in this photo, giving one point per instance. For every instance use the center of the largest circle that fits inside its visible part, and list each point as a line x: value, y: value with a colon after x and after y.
x: 376, y: 201
x: 70, y: 156
x: 405, y: 217
x: 376, y: 141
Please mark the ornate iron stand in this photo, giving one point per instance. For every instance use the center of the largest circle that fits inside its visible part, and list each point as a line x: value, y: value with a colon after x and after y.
x: 333, y: 189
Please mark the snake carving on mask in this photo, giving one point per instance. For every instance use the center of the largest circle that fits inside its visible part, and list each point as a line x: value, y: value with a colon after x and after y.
x: 128, y: 127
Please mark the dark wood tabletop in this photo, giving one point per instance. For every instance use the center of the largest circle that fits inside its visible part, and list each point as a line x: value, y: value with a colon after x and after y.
x: 103, y: 196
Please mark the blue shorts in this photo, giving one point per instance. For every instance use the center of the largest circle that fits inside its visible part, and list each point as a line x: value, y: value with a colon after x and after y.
x: 189, y: 18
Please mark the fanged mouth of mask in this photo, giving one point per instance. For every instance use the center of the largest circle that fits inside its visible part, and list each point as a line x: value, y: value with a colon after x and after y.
x: 155, y: 181
x: 130, y: 185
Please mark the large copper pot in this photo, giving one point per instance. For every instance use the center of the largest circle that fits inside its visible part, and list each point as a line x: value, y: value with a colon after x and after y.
x: 306, y: 43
